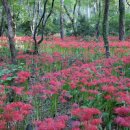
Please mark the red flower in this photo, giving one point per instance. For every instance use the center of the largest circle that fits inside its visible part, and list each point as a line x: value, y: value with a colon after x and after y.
x: 22, y: 76
x: 122, y: 111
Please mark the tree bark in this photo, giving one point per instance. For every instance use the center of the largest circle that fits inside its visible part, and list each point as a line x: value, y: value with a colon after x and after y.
x: 121, y: 20
x: 79, y: 8
x: 98, y: 21
x: 2, y: 23
x: 62, y: 20
x: 10, y: 31
x: 43, y: 20
x: 105, y: 27
x: 35, y: 16
x: 72, y: 18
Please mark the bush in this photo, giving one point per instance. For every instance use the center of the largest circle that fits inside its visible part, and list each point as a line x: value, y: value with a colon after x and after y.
x: 85, y: 27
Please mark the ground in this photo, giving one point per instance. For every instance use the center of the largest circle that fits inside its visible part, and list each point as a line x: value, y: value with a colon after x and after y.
x: 69, y: 85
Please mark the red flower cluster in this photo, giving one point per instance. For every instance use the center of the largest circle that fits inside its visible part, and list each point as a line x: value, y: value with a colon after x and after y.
x: 22, y: 76
x: 58, y: 123
x: 87, y: 118
x: 16, y: 111
x: 126, y: 59
x: 18, y: 90
x: 123, y: 118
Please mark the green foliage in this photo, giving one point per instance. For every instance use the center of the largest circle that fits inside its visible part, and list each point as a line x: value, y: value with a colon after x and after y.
x: 85, y: 27
x: 9, y: 72
x: 52, y: 27
x: 24, y: 29
x: 114, y: 25
x: 23, y: 12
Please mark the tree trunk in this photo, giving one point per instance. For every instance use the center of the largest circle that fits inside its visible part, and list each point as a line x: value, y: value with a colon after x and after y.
x: 121, y: 20
x: 14, y: 24
x: 10, y: 31
x: 62, y: 20
x: 98, y: 22
x: 36, y: 46
x: 35, y: 16
x: 2, y: 23
x: 74, y: 28
x: 43, y: 20
x: 105, y: 28
x: 79, y: 8
x: 72, y: 18
x: 88, y: 12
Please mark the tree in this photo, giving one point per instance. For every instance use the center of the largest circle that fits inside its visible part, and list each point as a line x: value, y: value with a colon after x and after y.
x: 2, y: 23
x: 72, y: 18
x: 10, y: 31
x: 43, y: 20
x: 99, y: 18
x: 62, y: 20
x: 105, y: 27
x: 79, y: 8
x: 121, y: 20
x: 35, y: 15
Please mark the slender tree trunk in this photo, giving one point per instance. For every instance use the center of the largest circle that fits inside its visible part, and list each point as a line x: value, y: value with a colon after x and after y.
x: 35, y: 16
x: 121, y: 20
x: 62, y: 20
x: 10, y: 31
x: 14, y: 24
x: 105, y: 28
x: 74, y: 28
x: 43, y: 20
x: 98, y: 22
x: 88, y: 12
x: 2, y: 23
x: 79, y: 8
x: 72, y: 18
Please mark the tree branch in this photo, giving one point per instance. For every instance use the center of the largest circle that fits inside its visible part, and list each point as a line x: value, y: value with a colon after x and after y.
x: 67, y: 12
x: 127, y: 2
x: 44, y: 24
x: 41, y: 19
x: 76, y: 2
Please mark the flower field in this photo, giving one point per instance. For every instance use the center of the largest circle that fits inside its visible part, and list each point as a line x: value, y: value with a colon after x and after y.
x: 69, y: 85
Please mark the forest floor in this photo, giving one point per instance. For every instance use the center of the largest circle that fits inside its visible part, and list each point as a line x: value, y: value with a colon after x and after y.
x: 69, y: 85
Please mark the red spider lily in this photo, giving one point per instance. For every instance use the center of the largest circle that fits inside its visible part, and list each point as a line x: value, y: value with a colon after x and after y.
x: 96, y: 121
x: 85, y: 114
x: 2, y: 124
x: 90, y: 127
x: 18, y: 90
x: 123, y: 121
x: 58, y: 123
x: 16, y: 111
x: 93, y: 92
x: 76, y: 128
x: 76, y: 125
x: 37, y: 89
x: 109, y: 89
x: 122, y: 111
x: 87, y: 118
x: 126, y: 59
x: 21, y: 56
x: 108, y: 97
x: 22, y: 76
